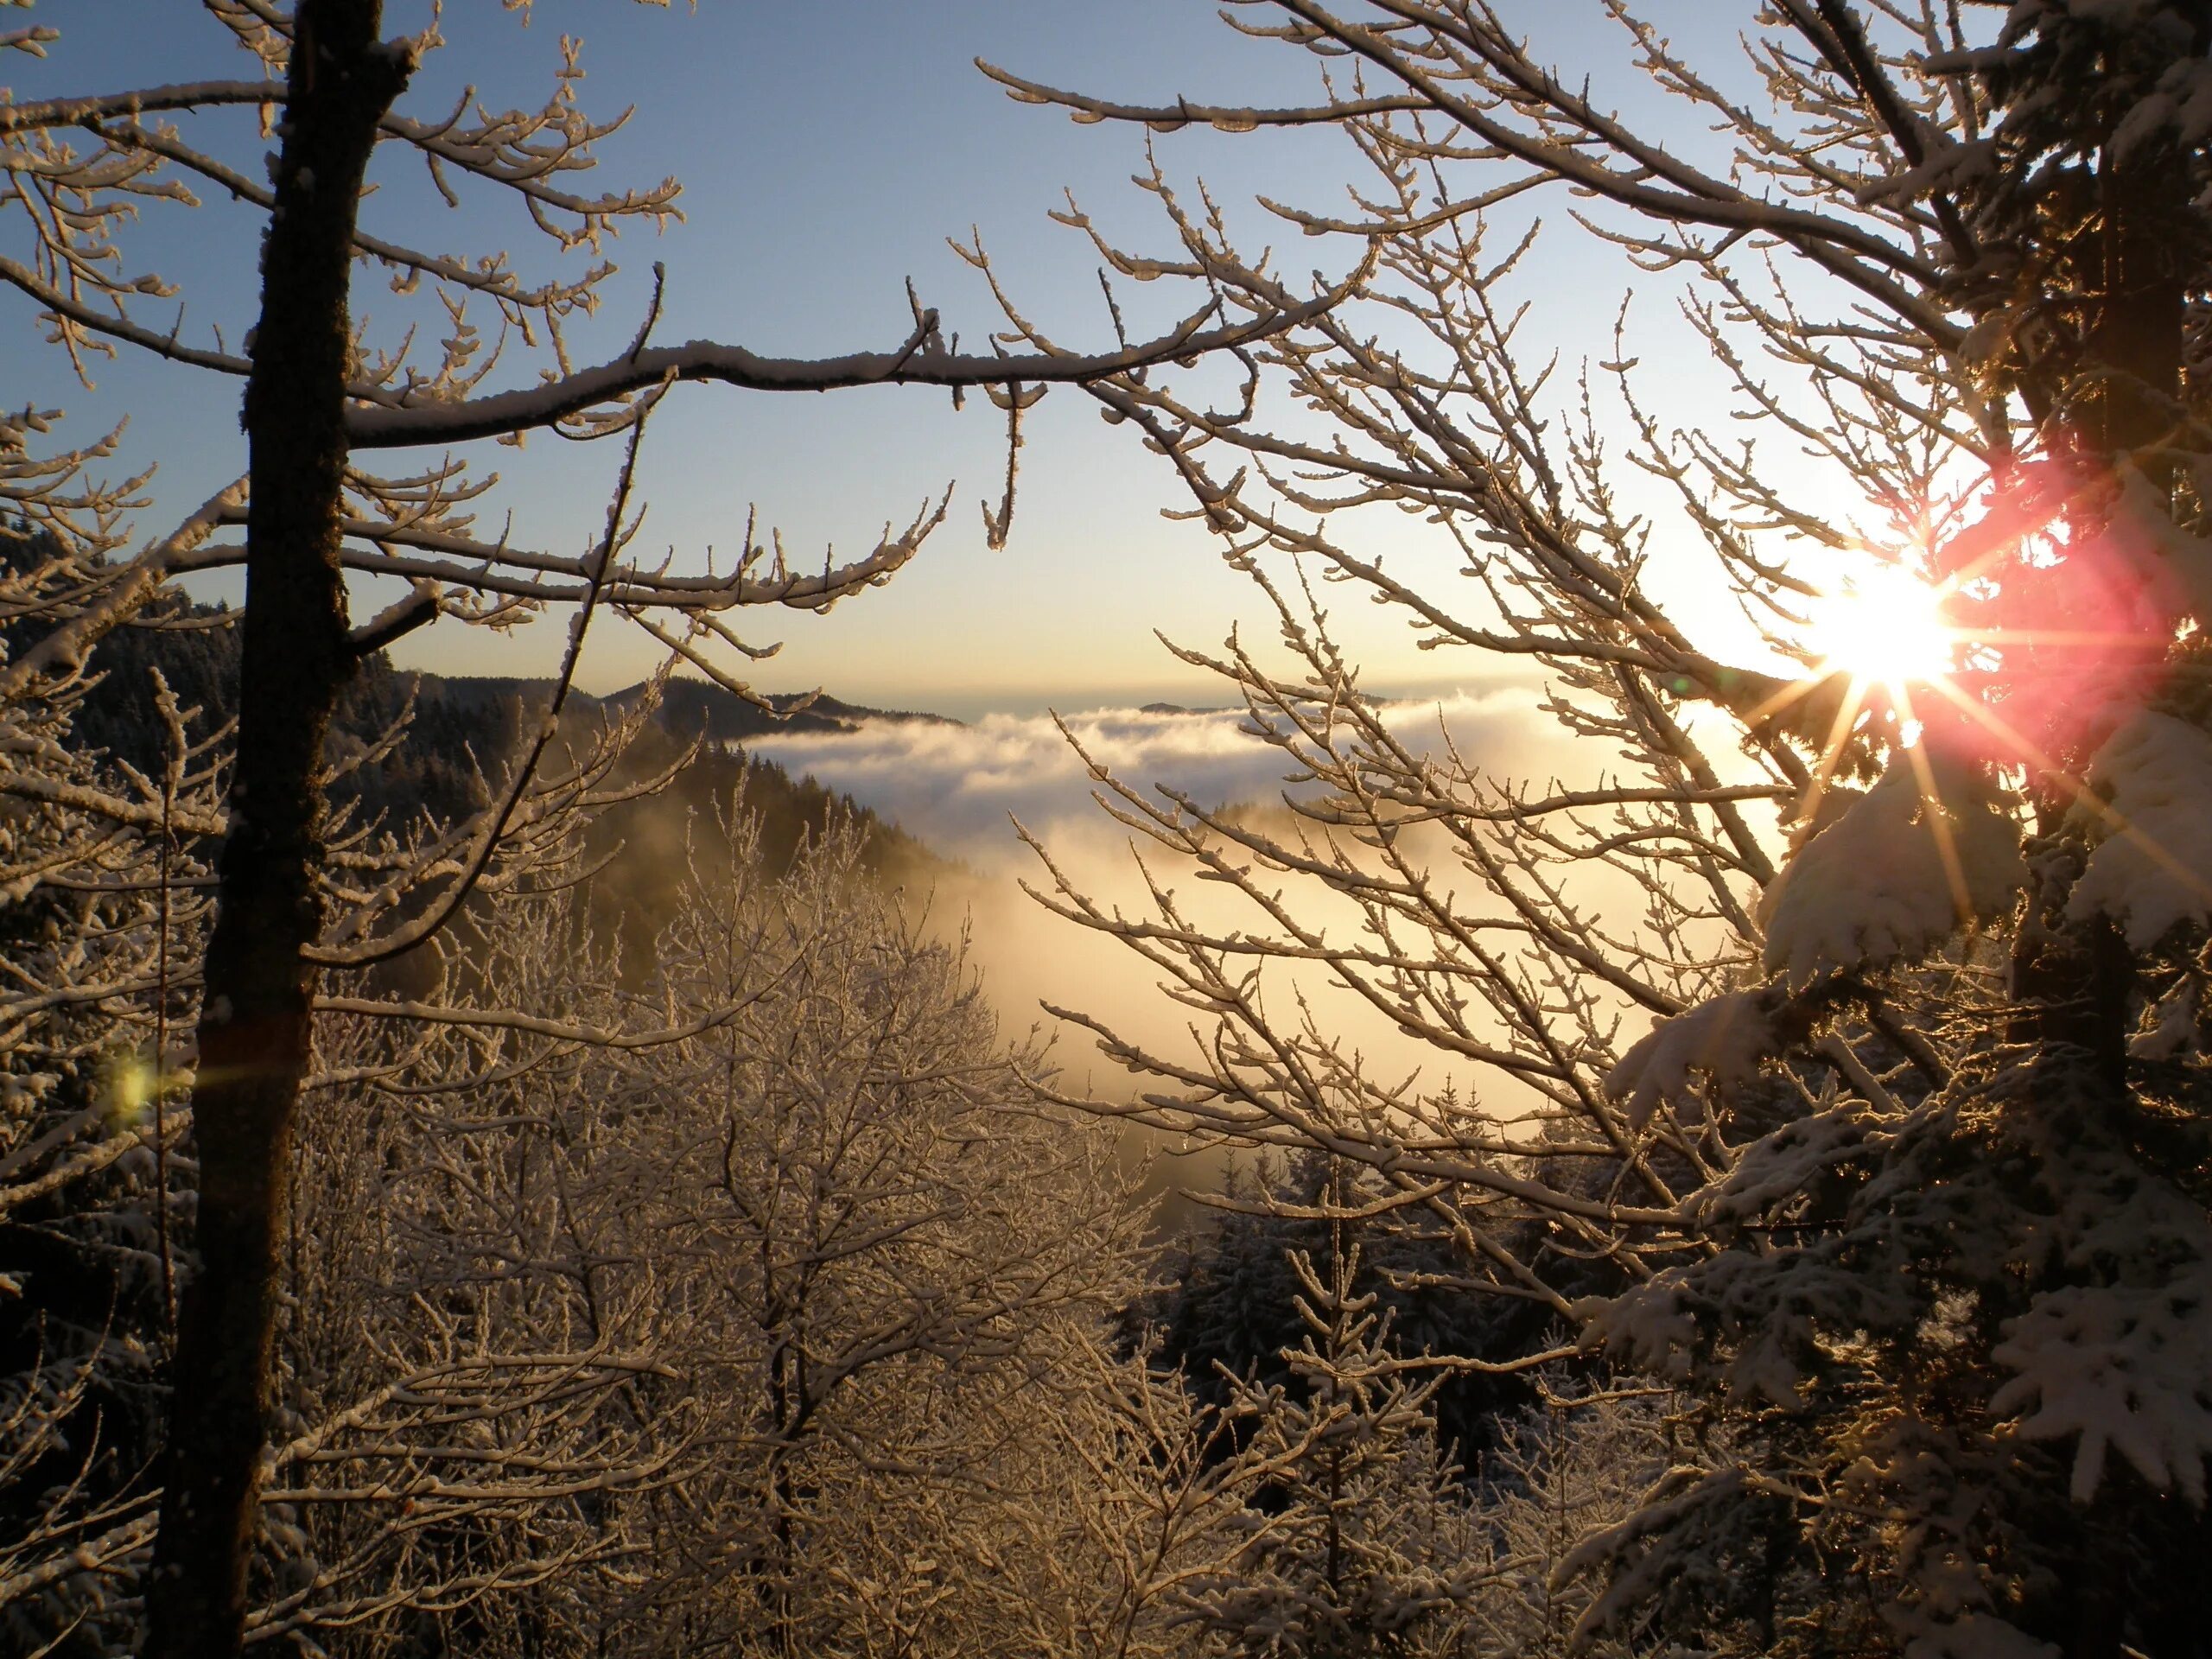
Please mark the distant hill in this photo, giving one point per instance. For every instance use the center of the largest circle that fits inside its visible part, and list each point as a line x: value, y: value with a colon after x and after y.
x: 460, y: 727
x: 700, y: 708
x: 1178, y: 709
x: 463, y: 731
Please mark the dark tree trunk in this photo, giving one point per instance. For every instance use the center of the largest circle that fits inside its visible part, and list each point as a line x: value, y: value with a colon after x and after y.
x: 254, y: 1027
x: 2075, y: 979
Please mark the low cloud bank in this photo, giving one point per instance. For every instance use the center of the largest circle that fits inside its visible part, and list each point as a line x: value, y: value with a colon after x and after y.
x: 956, y: 786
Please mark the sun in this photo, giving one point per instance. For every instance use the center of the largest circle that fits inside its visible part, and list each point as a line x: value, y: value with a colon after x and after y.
x: 1886, y: 627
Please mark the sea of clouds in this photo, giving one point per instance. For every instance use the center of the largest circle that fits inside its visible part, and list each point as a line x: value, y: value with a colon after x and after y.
x: 958, y: 787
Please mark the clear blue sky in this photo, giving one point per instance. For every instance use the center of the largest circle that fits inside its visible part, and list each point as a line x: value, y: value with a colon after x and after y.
x: 827, y: 148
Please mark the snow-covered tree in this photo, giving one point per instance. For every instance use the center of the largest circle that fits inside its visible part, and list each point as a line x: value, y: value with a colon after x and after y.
x: 1879, y: 1127
x: 794, y: 1292
x: 104, y: 915
x: 879, y: 1267
x: 1362, y: 1541
x: 319, y: 510
x: 779, y: 1320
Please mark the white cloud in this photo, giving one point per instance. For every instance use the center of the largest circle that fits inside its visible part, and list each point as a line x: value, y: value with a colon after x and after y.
x: 954, y: 787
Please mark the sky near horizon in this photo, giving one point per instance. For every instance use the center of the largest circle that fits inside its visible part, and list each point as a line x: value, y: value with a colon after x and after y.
x: 827, y: 149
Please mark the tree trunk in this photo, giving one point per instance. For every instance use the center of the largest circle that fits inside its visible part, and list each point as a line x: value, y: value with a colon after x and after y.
x: 2075, y: 980
x: 254, y: 1021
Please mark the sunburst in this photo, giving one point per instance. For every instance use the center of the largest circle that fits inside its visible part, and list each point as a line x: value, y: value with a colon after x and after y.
x: 1884, y: 630
x: 1885, y: 627
x: 2027, y: 695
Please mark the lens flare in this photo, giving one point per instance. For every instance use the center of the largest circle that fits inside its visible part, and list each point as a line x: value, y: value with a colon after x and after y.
x: 1884, y: 627
x: 132, y: 1084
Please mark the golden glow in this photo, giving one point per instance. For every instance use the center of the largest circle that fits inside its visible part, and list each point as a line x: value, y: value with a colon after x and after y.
x: 1884, y: 627
x: 131, y: 1091
x: 134, y: 1087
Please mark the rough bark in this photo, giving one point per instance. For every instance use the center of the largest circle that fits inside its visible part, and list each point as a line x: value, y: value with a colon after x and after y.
x: 254, y: 1028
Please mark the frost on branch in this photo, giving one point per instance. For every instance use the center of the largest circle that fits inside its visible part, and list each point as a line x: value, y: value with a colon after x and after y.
x: 2179, y: 105
x: 2148, y: 872
x: 1928, y: 847
x: 1752, y: 1329
x: 2170, y: 1027
x: 1977, y: 1636
x: 2180, y: 560
x: 1727, y: 1039
x: 1831, y: 1290
x: 2124, y: 1365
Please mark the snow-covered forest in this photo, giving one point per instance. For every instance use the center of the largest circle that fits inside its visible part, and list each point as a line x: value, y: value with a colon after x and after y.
x: 495, y: 1166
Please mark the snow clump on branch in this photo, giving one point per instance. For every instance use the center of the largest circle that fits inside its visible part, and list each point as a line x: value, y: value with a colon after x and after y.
x: 2146, y: 872
x: 1728, y: 1039
x: 1925, y: 849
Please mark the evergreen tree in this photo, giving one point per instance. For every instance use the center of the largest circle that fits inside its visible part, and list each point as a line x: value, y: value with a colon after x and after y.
x: 1906, y: 1187
x: 1361, y: 1540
